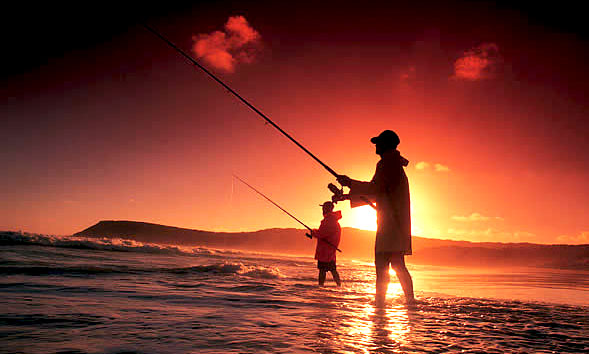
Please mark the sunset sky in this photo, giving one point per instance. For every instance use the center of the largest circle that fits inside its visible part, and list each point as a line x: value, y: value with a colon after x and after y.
x: 101, y: 120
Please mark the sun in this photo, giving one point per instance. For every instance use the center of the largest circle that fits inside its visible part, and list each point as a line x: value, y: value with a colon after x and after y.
x: 363, y: 217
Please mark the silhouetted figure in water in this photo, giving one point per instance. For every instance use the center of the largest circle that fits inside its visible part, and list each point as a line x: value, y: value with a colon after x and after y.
x: 389, y: 188
x: 328, y: 237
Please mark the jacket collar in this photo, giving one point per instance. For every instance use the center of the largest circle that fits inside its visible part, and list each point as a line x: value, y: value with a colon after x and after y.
x: 395, y: 155
x: 333, y: 214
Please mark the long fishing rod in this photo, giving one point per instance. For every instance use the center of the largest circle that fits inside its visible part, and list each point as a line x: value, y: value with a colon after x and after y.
x: 309, y: 235
x: 194, y: 62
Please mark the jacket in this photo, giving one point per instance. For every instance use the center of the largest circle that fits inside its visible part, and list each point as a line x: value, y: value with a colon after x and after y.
x: 329, y: 231
x: 389, y: 188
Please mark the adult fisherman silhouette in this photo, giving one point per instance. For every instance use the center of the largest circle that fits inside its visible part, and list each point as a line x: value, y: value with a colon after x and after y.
x: 388, y: 141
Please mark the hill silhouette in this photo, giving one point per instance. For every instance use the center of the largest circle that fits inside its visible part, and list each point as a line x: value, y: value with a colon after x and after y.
x: 355, y: 244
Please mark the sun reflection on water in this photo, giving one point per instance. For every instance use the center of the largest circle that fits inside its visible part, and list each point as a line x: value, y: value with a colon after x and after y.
x: 392, y: 324
x: 379, y: 328
x: 365, y: 328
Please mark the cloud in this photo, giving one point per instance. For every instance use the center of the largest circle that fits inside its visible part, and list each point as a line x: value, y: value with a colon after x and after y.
x: 492, y: 235
x: 464, y: 232
x: 422, y: 165
x: 476, y: 217
x: 441, y: 168
x: 582, y: 238
x: 523, y: 235
x: 239, y: 43
x: 478, y: 63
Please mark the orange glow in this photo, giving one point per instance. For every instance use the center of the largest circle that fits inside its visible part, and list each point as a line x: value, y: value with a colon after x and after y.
x: 494, y: 130
x: 363, y: 218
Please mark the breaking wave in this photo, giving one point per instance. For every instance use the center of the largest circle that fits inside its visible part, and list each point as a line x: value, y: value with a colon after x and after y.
x: 103, y: 244
x: 233, y: 268
x: 238, y: 269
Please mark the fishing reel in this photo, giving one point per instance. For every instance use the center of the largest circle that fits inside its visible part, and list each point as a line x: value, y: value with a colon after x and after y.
x: 338, y: 194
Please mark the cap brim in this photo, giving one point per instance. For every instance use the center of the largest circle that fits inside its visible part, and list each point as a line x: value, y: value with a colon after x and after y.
x: 374, y: 140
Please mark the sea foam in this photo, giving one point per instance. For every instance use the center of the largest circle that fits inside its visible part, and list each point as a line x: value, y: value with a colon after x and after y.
x: 102, y: 243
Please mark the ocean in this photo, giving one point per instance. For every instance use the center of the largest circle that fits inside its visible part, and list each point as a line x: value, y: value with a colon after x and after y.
x: 63, y: 294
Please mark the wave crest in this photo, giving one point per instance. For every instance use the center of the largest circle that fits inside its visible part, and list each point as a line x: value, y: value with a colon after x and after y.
x: 103, y: 243
x: 235, y: 268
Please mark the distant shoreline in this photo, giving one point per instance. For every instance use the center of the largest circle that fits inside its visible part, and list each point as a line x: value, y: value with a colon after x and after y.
x: 355, y: 244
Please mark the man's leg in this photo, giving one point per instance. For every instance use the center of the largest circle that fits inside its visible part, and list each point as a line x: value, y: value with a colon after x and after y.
x: 336, y: 277
x: 381, y: 262
x: 398, y: 264
x: 322, y: 274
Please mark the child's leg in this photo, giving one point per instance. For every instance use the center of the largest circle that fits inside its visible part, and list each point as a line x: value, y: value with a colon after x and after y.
x: 322, y: 274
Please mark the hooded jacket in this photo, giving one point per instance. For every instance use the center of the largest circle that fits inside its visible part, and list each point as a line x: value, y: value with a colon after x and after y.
x: 389, y: 188
x: 329, y: 231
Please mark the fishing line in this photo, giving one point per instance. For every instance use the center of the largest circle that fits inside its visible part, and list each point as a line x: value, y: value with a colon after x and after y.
x: 309, y: 235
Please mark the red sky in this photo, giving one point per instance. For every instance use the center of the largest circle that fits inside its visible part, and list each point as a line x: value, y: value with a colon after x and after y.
x: 101, y: 120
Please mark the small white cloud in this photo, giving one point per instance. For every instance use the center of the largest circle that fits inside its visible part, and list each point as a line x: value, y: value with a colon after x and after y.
x: 422, y: 165
x: 492, y: 235
x: 523, y: 235
x: 438, y: 167
x: 476, y: 217
x: 582, y: 238
x: 441, y: 168
x: 478, y: 232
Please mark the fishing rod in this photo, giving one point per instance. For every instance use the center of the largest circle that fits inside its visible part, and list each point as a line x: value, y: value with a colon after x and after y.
x: 243, y: 100
x: 309, y: 234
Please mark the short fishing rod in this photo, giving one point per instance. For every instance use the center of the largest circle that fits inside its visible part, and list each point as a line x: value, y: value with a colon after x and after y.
x: 268, y: 120
x: 309, y: 234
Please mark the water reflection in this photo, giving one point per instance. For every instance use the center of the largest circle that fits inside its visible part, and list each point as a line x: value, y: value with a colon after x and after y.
x: 347, y: 323
x: 390, y: 329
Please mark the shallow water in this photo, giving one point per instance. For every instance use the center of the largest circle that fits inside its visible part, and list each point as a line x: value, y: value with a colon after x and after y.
x: 103, y: 296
